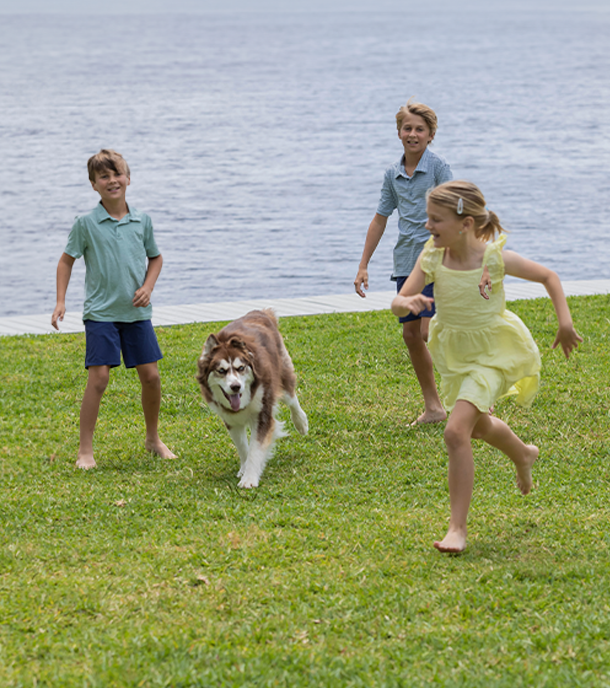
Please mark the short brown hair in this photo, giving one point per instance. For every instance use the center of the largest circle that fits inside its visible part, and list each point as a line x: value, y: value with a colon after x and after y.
x: 459, y: 195
x: 425, y: 112
x: 107, y: 159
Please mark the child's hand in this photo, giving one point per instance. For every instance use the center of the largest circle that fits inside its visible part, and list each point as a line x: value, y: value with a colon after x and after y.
x: 142, y: 297
x: 568, y: 338
x: 403, y: 305
x: 485, y: 283
x: 58, y: 314
x: 362, y: 280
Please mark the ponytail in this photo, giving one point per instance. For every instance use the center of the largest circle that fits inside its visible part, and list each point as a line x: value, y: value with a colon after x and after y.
x: 489, y: 227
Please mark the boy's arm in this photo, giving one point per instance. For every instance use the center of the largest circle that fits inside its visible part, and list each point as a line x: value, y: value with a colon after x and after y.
x: 410, y: 299
x: 517, y: 266
x: 64, y: 272
x: 373, y: 237
x: 142, y: 296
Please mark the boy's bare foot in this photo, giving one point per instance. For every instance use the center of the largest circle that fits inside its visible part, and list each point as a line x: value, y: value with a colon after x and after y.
x: 157, y: 447
x: 431, y: 417
x: 454, y: 542
x: 85, y: 461
x: 524, y: 470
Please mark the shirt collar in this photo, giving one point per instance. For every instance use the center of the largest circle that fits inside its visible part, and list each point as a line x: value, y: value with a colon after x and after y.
x: 101, y: 214
x: 422, y: 165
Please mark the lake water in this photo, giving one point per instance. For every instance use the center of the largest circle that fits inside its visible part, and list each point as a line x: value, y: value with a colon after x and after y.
x: 258, y: 143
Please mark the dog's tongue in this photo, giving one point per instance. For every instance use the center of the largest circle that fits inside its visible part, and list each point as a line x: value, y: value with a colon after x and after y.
x: 235, y: 399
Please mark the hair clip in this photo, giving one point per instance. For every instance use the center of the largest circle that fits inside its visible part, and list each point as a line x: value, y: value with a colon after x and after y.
x: 460, y: 206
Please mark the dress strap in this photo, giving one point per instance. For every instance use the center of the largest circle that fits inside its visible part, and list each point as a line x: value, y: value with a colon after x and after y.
x: 494, y: 261
x: 431, y: 258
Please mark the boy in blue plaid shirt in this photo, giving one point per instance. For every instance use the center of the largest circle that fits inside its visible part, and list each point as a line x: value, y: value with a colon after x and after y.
x: 405, y: 186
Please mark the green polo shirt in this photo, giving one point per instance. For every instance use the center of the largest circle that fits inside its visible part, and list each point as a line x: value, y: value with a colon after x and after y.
x: 115, y: 253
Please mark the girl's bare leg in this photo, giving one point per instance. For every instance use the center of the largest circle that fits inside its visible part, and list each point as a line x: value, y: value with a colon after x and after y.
x: 151, y: 405
x: 497, y: 433
x: 97, y: 382
x: 467, y: 421
x: 415, y: 334
x: 458, y: 435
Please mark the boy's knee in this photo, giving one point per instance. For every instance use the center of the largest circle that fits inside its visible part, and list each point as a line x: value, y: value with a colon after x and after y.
x: 412, y: 336
x: 98, y: 378
x: 100, y: 386
x: 150, y: 378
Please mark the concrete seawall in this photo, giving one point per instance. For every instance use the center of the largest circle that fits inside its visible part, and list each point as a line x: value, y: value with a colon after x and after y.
x: 310, y: 305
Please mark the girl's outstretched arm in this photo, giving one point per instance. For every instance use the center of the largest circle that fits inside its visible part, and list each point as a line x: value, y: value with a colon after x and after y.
x: 410, y: 299
x: 517, y: 266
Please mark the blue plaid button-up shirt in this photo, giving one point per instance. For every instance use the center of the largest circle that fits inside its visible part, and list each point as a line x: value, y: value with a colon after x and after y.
x: 408, y: 195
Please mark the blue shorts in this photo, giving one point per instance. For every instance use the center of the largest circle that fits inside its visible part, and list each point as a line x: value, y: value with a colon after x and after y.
x: 428, y: 290
x: 106, y: 340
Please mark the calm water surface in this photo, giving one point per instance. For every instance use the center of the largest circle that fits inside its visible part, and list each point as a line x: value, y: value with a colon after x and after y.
x: 258, y: 143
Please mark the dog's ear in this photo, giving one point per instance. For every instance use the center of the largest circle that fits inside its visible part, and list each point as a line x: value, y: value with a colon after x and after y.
x: 211, y: 343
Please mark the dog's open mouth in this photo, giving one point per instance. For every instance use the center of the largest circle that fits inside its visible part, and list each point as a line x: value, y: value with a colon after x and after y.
x: 234, y: 400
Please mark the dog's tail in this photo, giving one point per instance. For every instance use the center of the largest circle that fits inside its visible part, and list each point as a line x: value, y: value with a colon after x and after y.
x: 270, y: 313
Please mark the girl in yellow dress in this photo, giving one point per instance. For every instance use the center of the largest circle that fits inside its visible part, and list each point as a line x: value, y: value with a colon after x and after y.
x: 481, y: 351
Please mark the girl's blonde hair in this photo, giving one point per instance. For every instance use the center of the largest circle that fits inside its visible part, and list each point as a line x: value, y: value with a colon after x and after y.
x: 425, y: 112
x: 466, y: 200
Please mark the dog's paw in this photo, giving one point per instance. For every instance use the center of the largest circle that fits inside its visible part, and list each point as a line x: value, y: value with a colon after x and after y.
x: 248, y: 482
x: 240, y: 472
x: 301, y: 423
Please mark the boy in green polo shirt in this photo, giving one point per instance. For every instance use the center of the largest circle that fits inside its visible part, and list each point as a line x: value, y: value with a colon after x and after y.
x: 116, y: 242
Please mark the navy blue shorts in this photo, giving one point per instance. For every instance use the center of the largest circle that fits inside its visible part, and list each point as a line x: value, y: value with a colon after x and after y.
x: 106, y: 340
x: 427, y: 291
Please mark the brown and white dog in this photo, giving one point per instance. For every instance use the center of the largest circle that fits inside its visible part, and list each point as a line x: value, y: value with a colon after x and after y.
x: 244, y: 371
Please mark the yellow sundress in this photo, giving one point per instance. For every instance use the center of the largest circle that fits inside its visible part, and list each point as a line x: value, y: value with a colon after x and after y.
x: 481, y: 351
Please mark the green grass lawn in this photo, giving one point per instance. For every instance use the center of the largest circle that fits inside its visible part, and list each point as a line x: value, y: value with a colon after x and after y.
x: 151, y: 573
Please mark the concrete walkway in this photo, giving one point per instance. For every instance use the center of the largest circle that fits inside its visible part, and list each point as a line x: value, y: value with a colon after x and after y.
x: 311, y: 305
